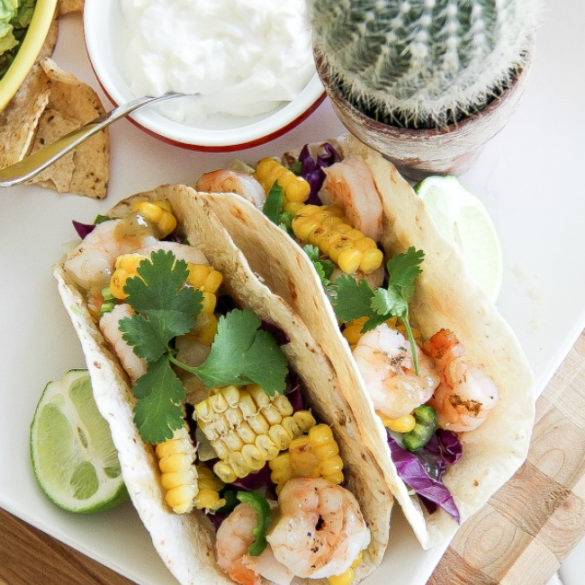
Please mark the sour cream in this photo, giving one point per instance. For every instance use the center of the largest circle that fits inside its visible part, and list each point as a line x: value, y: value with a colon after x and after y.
x: 244, y: 57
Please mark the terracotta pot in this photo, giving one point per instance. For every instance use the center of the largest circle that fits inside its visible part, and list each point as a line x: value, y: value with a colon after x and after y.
x: 419, y: 153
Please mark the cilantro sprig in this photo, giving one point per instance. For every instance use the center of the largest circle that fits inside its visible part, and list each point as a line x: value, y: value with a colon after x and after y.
x: 353, y: 299
x: 165, y: 308
x: 323, y: 266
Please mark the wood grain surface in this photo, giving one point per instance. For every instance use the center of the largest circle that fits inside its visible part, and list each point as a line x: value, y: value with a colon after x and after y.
x: 519, y: 538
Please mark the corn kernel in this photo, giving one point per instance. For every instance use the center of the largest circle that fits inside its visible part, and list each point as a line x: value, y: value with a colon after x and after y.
x: 213, y: 281
x: 129, y: 262
x: 205, y: 328
x: 260, y: 397
x: 364, y: 243
x: 266, y: 445
x: 232, y: 394
x: 247, y: 405
x: 403, y: 424
x: 279, y: 436
x: 246, y: 433
x: 169, y: 447
x: 271, y: 414
x: 293, y: 207
x: 331, y: 466
x: 208, y: 302
x: 148, y: 210
x: 259, y: 424
x: 175, y: 462
x: 253, y: 457
x: 291, y: 426
x: 304, y: 419
x: 320, y: 434
x: 220, y: 449
x: 218, y: 403
x: 232, y: 441
x: 197, y: 274
x: 224, y: 471
x: 303, y: 226
x: 178, y: 478
x: 371, y: 260
x: 234, y: 417
x: 238, y: 464
x: 180, y: 499
x: 208, y: 499
x: 349, y: 260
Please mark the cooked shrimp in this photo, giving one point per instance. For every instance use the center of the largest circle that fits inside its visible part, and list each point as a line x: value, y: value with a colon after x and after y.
x: 229, y: 181
x: 232, y: 540
x: 350, y: 184
x: 321, y: 529
x: 180, y: 251
x: 466, y: 393
x: 132, y: 364
x: 92, y: 262
x: 384, y: 359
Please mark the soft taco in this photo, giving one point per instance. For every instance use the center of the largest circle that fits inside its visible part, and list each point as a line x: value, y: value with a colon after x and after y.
x: 436, y: 374
x: 230, y: 431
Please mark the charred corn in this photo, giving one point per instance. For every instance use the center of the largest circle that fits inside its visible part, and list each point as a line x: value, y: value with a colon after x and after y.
x: 246, y: 428
x: 176, y: 461
x: 327, y: 228
x: 296, y: 189
x: 209, y: 487
x: 159, y: 214
x: 315, y: 454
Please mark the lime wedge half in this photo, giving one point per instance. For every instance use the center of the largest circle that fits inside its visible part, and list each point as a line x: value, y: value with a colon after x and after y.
x: 73, y: 457
x: 464, y: 222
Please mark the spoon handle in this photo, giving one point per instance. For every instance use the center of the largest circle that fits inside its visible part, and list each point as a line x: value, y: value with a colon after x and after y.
x: 32, y: 165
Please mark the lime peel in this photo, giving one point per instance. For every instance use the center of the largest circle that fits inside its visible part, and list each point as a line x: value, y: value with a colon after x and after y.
x: 462, y: 219
x: 73, y: 458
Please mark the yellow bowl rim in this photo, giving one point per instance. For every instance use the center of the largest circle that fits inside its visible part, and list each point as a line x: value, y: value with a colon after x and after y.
x: 29, y: 50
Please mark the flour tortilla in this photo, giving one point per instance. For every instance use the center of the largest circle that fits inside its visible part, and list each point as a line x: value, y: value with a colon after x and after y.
x: 445, y: 297
x: 186, y: 542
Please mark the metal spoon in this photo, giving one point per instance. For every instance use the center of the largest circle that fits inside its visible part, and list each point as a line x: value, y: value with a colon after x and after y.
x: 32, y: 165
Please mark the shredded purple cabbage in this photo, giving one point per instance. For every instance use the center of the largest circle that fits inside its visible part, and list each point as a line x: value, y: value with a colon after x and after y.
x: 312, y: 171
x: 414, y: 470
x: 83, y: 229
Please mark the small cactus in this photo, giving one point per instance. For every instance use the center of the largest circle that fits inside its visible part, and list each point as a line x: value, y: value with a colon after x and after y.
x: 421, y: 63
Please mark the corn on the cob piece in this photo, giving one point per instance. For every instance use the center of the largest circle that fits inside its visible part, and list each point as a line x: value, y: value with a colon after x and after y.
x: 209, y: 487
x: 295, y: 188
x: 315, y: 454
x: 347, y: 577
x: 158, y: 213
x: 176, y: 461
x: 327, y: 228
x: 246, y: 428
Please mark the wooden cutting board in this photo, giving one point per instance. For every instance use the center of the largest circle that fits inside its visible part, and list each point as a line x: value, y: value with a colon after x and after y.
x: 519, y: 538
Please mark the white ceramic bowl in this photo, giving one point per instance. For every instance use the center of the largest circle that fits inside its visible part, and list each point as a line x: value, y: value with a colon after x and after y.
x: 105, y: 37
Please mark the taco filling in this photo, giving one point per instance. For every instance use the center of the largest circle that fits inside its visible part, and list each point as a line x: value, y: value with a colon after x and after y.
x: 227, y: 418
x: 427, y: 392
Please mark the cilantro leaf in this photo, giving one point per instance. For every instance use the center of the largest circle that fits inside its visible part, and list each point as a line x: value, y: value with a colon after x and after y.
x: 167, y: 307
x: 353, y: 299
x: 242, y: 354
x: 274, y: 203
x: 403, y: 270
x: 160, y: 395
x: 323, y: 266
x: 389, y: 302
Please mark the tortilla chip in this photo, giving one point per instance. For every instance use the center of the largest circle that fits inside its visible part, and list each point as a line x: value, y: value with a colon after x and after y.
x: 66, y: 6
x: 20, y: 118
x: 73, y: 103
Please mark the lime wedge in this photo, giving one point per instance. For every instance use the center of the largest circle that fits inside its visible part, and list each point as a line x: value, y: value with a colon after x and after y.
x: 464, y: 222
x: 73, y: 457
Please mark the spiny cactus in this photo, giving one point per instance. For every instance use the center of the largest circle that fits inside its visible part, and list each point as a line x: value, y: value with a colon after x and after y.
x: 421, y: 63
